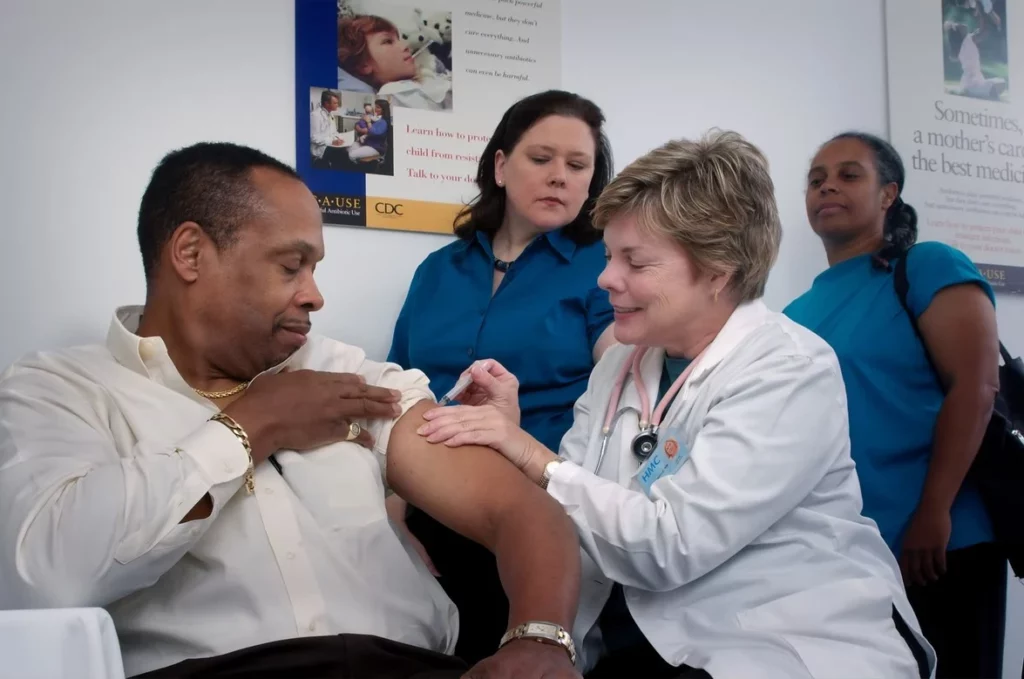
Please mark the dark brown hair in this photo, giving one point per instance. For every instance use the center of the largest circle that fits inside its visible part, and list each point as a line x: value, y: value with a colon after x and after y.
x: 487, y: 212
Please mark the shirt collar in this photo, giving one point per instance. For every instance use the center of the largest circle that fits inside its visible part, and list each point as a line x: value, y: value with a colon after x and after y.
x: 564, y: 246
x: 126, y: 346
x: 561, y: 243
x: 840, y: 269
x: 148, y: 356
x: 747, y: 317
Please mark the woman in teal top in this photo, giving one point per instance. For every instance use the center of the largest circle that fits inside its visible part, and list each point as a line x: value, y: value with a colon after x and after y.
x: 913, y: 434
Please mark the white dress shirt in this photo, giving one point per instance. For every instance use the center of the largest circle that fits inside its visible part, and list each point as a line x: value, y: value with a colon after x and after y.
x: 753, y: 560
x: 322, y: 131
x: 104, y: 449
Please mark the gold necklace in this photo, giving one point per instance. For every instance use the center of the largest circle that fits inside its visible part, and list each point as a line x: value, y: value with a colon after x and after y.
x: 214, y: 395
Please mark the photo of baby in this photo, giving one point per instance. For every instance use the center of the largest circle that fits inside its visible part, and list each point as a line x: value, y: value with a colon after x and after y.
x: 974, y: 49
x: 400, y: 52
x: 350, y: 131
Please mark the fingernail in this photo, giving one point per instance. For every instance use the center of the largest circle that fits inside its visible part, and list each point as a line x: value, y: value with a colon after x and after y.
x: 422, y: 430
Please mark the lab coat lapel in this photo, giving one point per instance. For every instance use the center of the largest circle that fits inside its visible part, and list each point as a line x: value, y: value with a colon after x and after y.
x: 746, y: 318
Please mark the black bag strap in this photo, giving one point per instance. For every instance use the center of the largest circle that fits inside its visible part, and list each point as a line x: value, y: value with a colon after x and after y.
x: 902, y: 284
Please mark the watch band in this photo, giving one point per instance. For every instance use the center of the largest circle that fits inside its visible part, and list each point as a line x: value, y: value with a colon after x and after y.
x: 545, y: 633
x: 549, y: 469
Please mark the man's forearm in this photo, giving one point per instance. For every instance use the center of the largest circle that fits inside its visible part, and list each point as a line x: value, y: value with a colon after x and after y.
x: 478, y: 493
x: 539, y: 562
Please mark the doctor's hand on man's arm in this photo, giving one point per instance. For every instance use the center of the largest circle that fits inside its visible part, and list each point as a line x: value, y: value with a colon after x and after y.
x: 487, y: 426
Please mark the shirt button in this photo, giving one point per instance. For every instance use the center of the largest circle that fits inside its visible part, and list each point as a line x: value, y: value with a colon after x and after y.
x: 228, y: 466
x: 269, y: 491
x: 290, y: 555
x: 312, y: 627
x: 469, y: 352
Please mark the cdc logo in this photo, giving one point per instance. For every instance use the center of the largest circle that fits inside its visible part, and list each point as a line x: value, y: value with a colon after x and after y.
x: 383, y: 208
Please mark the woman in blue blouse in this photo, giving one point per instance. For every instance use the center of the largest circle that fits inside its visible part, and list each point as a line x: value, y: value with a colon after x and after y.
x: 375, y: 140
x: 520, y: 286
x: 913, y: 433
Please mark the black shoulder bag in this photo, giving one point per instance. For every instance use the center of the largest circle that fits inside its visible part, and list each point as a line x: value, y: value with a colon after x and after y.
x: 998, y: 469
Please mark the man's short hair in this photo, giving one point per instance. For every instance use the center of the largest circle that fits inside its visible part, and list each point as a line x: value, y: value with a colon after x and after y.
x: 207, y: 183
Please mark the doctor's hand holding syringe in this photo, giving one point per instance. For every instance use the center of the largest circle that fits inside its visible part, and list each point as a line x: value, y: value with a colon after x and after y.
x: 486, y: 382
x: 487, y: 414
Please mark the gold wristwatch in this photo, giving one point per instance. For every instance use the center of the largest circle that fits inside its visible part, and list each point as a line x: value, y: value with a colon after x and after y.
x: 545, y: 633
x: 549, y: 469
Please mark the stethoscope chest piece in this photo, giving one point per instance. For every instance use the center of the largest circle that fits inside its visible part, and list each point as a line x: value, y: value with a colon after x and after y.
x: 644, y: 444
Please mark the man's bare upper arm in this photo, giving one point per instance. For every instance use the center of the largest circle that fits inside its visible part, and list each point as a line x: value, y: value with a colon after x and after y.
x: 469, y: 488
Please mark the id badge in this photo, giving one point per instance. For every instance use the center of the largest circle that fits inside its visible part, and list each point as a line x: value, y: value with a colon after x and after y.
x: 666, y: 460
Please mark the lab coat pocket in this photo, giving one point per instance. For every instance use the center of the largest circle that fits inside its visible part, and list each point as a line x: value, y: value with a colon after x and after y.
x: 837, y: 628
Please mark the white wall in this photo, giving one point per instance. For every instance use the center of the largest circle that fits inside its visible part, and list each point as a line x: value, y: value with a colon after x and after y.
x: 131, y: 79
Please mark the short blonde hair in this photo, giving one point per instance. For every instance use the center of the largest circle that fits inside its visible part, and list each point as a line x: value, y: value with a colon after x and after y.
x: 713, y: 196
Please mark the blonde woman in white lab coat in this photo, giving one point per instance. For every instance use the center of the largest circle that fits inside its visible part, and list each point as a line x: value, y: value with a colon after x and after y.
x: 729, y: 541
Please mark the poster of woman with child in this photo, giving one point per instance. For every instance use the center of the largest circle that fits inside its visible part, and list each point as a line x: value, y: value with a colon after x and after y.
x: 955, y: 115
x: 400, y: 99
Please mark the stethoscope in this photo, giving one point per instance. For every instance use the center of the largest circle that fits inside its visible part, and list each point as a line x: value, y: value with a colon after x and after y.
x: 646, y: 441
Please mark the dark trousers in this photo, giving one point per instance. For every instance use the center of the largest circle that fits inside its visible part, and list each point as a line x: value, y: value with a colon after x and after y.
x: 469, y: 576
x: 963, y: 614
x: 642, y: 660
x: 344, y: 656
x: 334, y: 158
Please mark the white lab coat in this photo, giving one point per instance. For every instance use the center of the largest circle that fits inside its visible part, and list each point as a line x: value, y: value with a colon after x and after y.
x: 753, y: 560
x: 322, y: 131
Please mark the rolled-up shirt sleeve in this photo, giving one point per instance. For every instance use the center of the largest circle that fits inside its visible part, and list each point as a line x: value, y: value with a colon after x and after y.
x: 82, y: 524
x: 414, y: 387
x: 412, y: 384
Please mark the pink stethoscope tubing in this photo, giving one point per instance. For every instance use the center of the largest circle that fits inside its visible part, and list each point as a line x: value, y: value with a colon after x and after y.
x: 643, y: 444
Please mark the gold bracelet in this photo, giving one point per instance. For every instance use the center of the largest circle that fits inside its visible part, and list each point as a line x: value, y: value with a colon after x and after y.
x: 236, y: 429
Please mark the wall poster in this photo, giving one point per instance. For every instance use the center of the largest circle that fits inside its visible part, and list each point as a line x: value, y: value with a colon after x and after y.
x: 956, y: 108
x: 396, y: 100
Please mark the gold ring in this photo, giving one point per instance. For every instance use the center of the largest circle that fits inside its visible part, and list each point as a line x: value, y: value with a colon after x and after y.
x: 354, y: 430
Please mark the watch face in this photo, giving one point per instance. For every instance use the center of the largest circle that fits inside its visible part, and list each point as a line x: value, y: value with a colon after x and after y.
x: 545, y: 632
x: 542, y: 628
